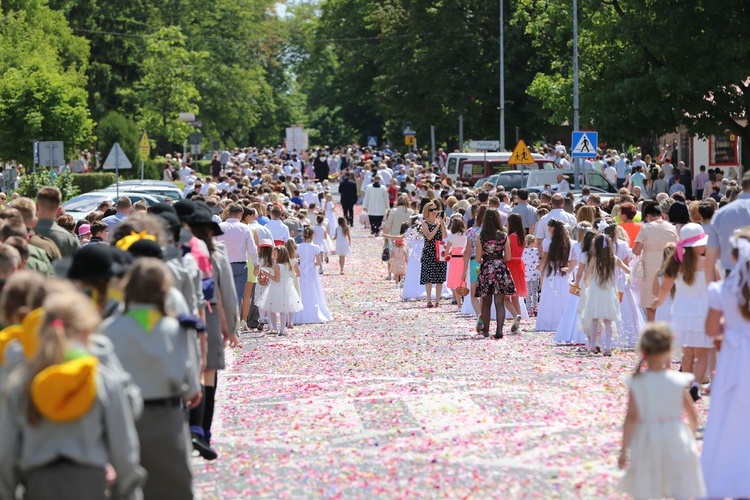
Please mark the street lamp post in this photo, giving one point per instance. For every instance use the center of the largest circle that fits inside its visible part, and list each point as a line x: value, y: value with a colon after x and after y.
x: 502, y: 82
x: 576, y: 161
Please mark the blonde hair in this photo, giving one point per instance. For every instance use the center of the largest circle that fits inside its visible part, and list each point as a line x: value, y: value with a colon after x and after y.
x: 147, y: 282
x: 530, y: 240
x: 426, y: 209
x: 291, y: 248
x: 656, y: 338
x: 68, y: 315
x: 23, y: 292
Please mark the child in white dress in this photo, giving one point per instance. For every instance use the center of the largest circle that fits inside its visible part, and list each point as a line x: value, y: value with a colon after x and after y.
x: 569, y: 331
x: 663, y: 460
x: 602, y: 302
x: 330, y: 214
x: 632, y: 320
x: 314, y: 305
x: 343, y: 241
x: 320, y: 233
x: 530, y: 259
x: 265, y: 259
x: 291, y: 248
x: 726, y: 442
x: 281, y: 297
x: 685, y: 270
x: 554, y: 268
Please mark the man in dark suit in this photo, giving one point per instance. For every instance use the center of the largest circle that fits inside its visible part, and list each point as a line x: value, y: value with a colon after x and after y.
x: 348, y: 192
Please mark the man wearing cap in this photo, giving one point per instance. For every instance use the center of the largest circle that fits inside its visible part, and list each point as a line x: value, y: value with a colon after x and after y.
x: 735, y: 215
x: 123, y: 207
x: 48, y: 201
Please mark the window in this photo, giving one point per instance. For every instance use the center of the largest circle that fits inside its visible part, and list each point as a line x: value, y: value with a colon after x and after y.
x: 452, y: 166
x: 722, y: 150
x: 598, y: 181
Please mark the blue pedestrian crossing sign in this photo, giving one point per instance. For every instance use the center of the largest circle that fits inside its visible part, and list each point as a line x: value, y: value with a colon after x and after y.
x: 584, y: 144
x: 372, y: 141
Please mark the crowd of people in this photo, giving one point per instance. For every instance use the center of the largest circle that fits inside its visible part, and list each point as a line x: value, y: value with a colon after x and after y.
x: 641, y: 271
x: 117, y: 324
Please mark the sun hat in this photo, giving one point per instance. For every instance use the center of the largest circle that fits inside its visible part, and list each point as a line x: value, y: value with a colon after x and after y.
x: 266, y: 242
x: 691, y: 235
x: 84, y: 229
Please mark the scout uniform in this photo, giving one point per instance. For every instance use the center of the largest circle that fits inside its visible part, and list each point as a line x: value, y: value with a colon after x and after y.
x: 160, y: 352
x: 86, y: 423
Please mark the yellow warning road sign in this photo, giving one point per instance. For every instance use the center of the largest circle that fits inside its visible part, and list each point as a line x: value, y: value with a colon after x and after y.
x: 521, y: 155
x: 144, y: 147
x: 410, y: 140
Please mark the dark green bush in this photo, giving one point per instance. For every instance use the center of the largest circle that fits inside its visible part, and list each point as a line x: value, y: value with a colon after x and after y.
x: 93, y: 181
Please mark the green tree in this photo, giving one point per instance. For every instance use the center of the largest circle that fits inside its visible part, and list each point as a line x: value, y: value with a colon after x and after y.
x: 42, y: 81
x: 166, y: 87
x: 646, y: 67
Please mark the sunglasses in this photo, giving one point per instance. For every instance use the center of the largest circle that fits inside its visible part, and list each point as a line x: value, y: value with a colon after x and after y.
x: 432, y: 210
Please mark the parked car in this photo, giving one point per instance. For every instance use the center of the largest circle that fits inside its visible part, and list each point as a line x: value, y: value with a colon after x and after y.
x: 535, y: 179
x: 170, y: 191
x: 81, y: 205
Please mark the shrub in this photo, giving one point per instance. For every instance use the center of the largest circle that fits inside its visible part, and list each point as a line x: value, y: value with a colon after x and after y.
x: 31, y: 183
x: 93, y: 181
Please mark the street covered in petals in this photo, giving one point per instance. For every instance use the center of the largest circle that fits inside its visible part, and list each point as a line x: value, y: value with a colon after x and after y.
x: 394, y: 400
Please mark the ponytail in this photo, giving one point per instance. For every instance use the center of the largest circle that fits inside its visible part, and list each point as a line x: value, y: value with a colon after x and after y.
x: 638, y: 367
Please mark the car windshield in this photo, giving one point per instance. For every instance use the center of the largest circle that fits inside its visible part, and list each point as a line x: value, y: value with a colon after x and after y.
x: 84, y: 203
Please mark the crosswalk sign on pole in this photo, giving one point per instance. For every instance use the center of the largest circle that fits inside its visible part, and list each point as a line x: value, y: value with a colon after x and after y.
x: 584, y: 144
x: 521, y: 155
x: 372, y: 141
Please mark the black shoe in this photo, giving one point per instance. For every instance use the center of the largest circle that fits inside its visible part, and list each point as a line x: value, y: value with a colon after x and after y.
x: 499, y: 335
x: 201, y: 446
x: 260, y: 326
x: 695, y: 393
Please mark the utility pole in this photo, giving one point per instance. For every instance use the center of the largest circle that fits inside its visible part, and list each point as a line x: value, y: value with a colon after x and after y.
x: 576, y: 124
x: 502, y: 81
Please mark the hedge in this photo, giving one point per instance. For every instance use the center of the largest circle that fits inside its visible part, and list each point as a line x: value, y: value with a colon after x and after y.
x: 93, y: 181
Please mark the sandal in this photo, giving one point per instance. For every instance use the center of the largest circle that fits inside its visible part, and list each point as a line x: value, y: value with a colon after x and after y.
x: 430, y: 305
x: 437, y: 303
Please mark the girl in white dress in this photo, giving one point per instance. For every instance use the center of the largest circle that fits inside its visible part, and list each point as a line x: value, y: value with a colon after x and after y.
x: 265, y: 259
x: 685, y: 270
x: 554, y: 267
x: 632, y: 320
x: 315, y: 307
x: 320, y: 239
x: 281, y: 297
x: 663, y: 460
x: 291, y: 248
x: 569, y: 331
x: 330, y: 214
x: 343, y: 240
x: 602, y: 303
x: 726, y: 442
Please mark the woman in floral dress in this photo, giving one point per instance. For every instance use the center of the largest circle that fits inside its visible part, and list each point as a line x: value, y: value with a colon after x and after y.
x: 495, y: 280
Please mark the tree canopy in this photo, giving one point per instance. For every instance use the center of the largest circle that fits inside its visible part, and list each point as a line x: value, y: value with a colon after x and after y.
x: 347, y: 69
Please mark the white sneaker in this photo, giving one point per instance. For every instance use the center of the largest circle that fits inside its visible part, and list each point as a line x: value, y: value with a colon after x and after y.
x: 243, y: 326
